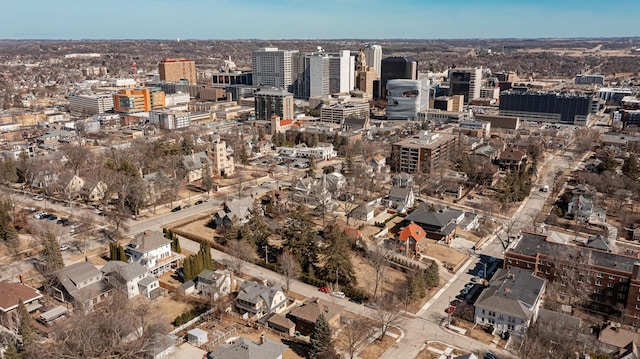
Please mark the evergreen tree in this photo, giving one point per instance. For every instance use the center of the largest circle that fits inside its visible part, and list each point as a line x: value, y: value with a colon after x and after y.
x: 8, y: 231
x: 631, y: 167
x: 321, y: 338
x: 187, y: 269
x: 176, y: 244
x: 27, y: 329
x: 300, y: 238
x: 244, y: 158
x: 311, y: 170
x: 51, y: 253
x: 207, y: 178
x: 416, y: 286
x: 122, y: 256
x: 11, y: 352
x: 256, y: 230
x: 432, y: 275
x: 337, y: 257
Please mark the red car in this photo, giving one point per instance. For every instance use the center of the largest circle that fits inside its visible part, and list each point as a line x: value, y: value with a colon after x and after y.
x: 450, y: 309
x: 325, y: 289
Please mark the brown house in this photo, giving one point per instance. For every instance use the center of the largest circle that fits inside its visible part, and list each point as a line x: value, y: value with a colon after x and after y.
x: 306, y: 315
x: 10, y: 296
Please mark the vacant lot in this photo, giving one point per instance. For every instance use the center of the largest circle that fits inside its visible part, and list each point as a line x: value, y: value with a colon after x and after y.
x: 443, y: 254
x: 169, y: 309
x: 392, y: 281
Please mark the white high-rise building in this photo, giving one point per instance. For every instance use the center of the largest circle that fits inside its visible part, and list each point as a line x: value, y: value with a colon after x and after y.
x: 272, y: 67
x: 373, y: 52
x: 327, y: 73
x: 91, y: 104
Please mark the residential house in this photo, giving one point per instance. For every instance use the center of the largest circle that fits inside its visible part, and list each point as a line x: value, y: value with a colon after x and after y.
x: 244, y: 348
x: 363, y: 212
x: 197, y: 336
x: 619, y: 342
x: 162, y: 347
x: 511, y: 302
x: 124, y: 276
x: 402, y: 179
x: 237, y: 210
x: 302, y: 189
x: 150, y: 287
x: 409, y: 239
x: 257, y: 300
x: 214, y: 284
x: 82, y: 285
x: 439, y: 225
x: 93, y: 190
x: 512, y: 158
x: 378, y: 163
x: 306, y: 315
x: 400, y: 199
x: 69, y: 184
x: 194, y: 164
x: 153, y: 251
x: 582, y: 205
x: 44, y: 179
x: 10, y: 296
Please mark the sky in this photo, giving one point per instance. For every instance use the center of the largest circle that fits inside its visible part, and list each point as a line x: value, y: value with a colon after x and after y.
x: 319, y: 19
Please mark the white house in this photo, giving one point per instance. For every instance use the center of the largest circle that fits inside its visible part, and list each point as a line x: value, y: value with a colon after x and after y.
x: 363, y: 212
x: 511, y: 302
x: 197, y: 336
x: 153, y: 251
x: 258, y: 300
x: 124, y: 276
x: 302, y: 151
x: 214, y: 284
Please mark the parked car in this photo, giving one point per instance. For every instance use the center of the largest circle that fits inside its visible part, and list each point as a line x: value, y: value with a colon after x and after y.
x: 475, y: 279
x: 338, y: 294
x: 64, y: 247
x: 490, y: 355
x: 187, y: 206
x: 208, y: 200
x: 38, y: 215
x: 325, y: 289
x: 176, y: 209
x: 469, y: 285
x: 38, y: 198
x: 199, y: 202
x: 52, y: 217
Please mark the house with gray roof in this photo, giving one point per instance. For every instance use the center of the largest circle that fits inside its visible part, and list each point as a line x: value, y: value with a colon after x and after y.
x: 195, y: 164
x: 511, y: 302
x: 402, y: 179
x: 153, y: 251
x: 237, y: 210
x: 439, y: 224
x: 399, y: 199
x: 82, y: 285
x: 258, y: 300
x: 244, y: 348
x: 214, y: 284
x: 124, y: 276
x: 363, y: 212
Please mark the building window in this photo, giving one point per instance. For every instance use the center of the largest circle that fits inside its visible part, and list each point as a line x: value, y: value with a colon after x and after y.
x: 609, y: 285
x: 612, y: 277
x: 624, y: 280
x: 599, y: 275
x: 599, y: 283
x: 598, y: 291
x: 620, y: 296
x: 609, y: 293
x: 528, y: 265
x: 510, y: 327
x: 509, y: 260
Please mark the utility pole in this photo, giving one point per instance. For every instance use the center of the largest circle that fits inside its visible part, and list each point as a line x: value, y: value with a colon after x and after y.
x: 336, y: 280
x: 266, y: 254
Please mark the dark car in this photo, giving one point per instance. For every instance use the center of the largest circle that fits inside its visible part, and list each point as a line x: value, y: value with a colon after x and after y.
x: 199, y: 202
x: 52, y: 217
x: 176, y: 209
x: 490, y: 355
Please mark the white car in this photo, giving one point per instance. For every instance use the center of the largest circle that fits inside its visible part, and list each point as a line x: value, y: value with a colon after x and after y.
x: 39, y: 215
x: 64, y: 247
x: 338, y: 294
x: 38, y: 198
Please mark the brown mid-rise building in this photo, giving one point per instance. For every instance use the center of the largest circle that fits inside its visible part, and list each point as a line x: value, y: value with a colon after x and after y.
x: 173, y: 70
x: 423, y: 153
x: 608, y: 282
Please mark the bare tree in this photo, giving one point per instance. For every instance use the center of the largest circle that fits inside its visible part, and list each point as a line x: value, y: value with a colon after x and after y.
x: 570, y: 276
x: 388, y: 313
x: 240, y: 252
x: 508, y: 231
x: 76, y: 156
x: 289, y: 267
x: 354, y: 336
x: 377, y: 257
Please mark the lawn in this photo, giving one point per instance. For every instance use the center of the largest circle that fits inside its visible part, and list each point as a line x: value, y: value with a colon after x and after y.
x: 444, y: 254
x: 378, y: 347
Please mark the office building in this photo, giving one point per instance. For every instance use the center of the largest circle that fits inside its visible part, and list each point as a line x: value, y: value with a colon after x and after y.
x: 396, y: 68
x: 466, y: 82
x: 91, y: 104
x: 143, y: 99
x: 169, y: 119
x: 174, y: 70
x: 273, y: 102
x: 272, y: 67
x: 448, y: 103
x: 340, y: 111
x: 610, y: 281
x: 589, y: 80
x: 241, y: 91
x: 424, y: 153
x: 542, y: 106
x: 327, y: 73
x: 373, y: 53
x: 365, y: 74
x: 614, y: 95
x: 171, y: 87
x: 231, y: 78
x: 405, y: 98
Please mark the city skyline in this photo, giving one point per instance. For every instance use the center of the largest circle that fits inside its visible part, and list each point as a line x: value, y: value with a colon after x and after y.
x: 332, y: 19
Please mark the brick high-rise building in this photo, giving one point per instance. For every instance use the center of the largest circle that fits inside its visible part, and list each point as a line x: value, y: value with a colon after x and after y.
x: 424, y: 153
x: 174, y: 70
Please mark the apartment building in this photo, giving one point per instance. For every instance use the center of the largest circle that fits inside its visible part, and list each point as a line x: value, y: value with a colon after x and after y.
x: 423, y: 153
x: 174, y: 70
x: 273, y: 102
x: 272, y: 67
x: 340, y: 111
x: 610, y: 282
x: 170, y: 119
x: 143, y: 99
x: 91, y: 104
